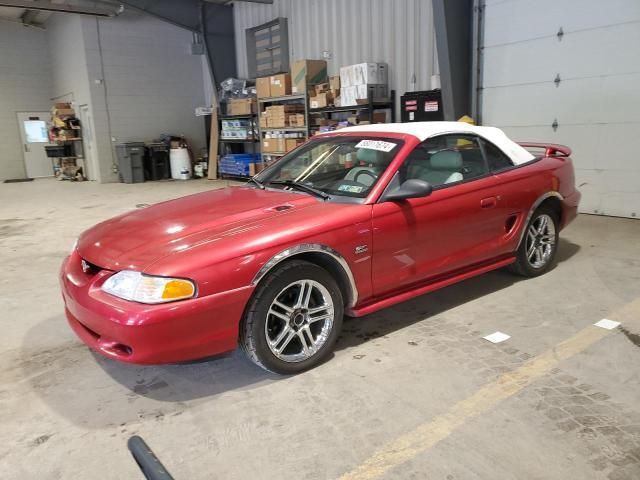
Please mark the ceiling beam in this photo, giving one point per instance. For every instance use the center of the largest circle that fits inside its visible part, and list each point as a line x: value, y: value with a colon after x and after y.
x: 49, y: 6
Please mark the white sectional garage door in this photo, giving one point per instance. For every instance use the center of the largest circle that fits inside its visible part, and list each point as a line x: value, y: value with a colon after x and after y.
x: 596, y: 103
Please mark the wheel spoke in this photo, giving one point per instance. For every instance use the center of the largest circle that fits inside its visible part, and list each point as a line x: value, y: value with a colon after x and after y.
x: 532, y: 232
x: 542, y: 227
x: 285, y: 337
x: 304, y: 295
x: 547, y: 240
x: 282, y: 306
x: 531, y: 251
x: 281, y: 316
x: 304, y: 340
x: 321, y: 317
x: 319, y: 309
x: 540, y: 254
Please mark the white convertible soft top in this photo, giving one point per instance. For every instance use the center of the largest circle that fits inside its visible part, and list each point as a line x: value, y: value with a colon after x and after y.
x: 424, y: 130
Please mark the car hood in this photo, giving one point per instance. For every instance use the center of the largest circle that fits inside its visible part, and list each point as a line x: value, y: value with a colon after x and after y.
x: 135, y: 240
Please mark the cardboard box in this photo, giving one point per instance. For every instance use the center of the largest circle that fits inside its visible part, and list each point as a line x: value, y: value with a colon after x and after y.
x: 378, y: 117
x: 321, y: 100
x: 307, y: 72
x: 280, y: 85
x: 283, y: 109
x: 292, y: 143
x: 277, y: 122
x: 296, y: 120
x: 364, y: 73
x: 241, y: 106
x: 263, y: 87
x: 268, y: 145
x: 350, y: 95
x: 263, y: 121
x: 334, y: 82
x: 321, y: 88
x: 273, y: 145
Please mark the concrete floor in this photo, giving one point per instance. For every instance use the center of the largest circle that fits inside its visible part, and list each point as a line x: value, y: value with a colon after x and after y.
x: 412, y: 392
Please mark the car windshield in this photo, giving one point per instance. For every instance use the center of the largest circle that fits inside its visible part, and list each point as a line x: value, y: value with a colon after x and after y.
x: 335, y: 166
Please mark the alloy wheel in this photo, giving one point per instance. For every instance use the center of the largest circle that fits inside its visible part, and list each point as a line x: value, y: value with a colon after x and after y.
x: 299, y: 320
x: 541, y: 241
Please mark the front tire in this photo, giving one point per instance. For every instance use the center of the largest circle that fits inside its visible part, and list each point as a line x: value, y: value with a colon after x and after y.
x: 293, y: 319
x: 537, y: 252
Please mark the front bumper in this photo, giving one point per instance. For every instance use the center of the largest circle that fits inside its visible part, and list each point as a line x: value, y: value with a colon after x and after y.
x: 149, y: 334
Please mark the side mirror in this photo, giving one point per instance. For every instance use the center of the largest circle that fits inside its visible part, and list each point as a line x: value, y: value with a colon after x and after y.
x: 412, y: 188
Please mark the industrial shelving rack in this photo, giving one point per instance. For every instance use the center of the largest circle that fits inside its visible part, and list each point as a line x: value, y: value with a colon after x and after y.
x: 371, y: 106
x: 286, y: 99
x: 74, y: 145
x: 248, y: 144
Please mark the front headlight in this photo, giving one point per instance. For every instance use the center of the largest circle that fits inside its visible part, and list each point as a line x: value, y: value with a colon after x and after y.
x: 141, y: 288
x: 74, y: 246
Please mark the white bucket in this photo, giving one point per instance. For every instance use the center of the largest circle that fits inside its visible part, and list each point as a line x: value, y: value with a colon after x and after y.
x: 180, y: 164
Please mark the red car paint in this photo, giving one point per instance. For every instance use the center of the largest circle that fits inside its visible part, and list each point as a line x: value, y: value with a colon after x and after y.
x: 223, y: 238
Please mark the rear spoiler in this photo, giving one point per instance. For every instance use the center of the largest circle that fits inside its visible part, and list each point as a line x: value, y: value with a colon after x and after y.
x: 550, y: 149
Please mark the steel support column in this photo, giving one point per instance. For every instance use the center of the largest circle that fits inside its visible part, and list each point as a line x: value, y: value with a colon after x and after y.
x: 453, y: 26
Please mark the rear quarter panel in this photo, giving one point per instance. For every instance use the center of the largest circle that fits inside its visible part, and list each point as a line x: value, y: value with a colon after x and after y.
x: 520, y: 188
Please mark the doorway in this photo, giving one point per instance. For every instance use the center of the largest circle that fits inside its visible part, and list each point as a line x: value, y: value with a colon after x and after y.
x: 34, y: 133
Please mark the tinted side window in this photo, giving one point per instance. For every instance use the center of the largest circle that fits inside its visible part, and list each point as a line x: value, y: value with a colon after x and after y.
x: 444, y: 160
x: 495, y: 158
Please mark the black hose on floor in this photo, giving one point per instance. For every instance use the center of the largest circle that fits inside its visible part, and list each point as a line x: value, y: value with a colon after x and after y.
x: 146, y: 460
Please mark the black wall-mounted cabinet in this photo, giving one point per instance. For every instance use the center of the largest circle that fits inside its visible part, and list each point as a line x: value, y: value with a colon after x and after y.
x: 425, y: 106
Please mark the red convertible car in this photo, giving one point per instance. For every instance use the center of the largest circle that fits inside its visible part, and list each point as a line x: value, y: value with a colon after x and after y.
x: 351, y: 222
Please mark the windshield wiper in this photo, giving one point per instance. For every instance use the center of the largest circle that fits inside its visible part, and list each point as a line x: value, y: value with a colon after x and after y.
x: 258, y: 183
x: 302, y: 187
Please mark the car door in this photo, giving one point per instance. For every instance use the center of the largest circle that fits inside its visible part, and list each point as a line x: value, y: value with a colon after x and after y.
x: 456, y: 226
x: 517, y: 191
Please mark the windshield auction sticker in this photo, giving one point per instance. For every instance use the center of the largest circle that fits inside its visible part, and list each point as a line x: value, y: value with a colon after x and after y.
x: 378, y: 145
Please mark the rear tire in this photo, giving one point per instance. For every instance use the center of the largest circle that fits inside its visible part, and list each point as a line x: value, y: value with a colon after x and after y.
x: 537, y: 252
x: 293, y: 319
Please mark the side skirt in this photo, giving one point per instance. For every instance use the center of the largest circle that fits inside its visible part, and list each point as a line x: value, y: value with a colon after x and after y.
x: 429, y: 287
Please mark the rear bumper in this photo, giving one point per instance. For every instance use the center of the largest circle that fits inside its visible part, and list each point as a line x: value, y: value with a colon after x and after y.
x: 149, y: 334
x: 570, y: 208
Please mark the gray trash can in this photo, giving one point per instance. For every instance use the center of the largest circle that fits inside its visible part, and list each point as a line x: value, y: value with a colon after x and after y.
x: 131, y: 162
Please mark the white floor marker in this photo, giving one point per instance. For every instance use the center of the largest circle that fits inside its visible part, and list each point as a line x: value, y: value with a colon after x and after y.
x: 497, y: 337
x: 608, y: 324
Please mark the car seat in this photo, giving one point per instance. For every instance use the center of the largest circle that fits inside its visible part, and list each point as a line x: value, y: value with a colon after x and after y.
x: 375, y: 164
x: 443, y: 167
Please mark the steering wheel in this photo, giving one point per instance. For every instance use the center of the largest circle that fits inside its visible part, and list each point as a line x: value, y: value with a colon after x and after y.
x: 366, y: 172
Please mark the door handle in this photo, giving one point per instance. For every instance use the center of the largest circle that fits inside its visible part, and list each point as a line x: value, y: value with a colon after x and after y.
x: 488, y: 202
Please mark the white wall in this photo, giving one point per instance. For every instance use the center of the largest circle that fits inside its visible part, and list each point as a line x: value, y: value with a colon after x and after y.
x: 25, y: 79
x: 596, y: 104
x: 398, y: 32
x: 153, y: 83
x: 135, y: 73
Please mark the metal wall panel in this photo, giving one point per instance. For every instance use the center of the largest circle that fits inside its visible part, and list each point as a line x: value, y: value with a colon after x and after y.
x: 596, y: 103
x: 398, y: 32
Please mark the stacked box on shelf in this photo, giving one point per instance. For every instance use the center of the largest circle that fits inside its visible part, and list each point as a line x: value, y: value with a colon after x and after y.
x: 357, y: 81
x: 237, y: 129
x: 278, y: 116
x: 239, y: 164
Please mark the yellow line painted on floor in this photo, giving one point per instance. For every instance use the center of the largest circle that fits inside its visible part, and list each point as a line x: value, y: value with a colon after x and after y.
x: 429, y: 434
